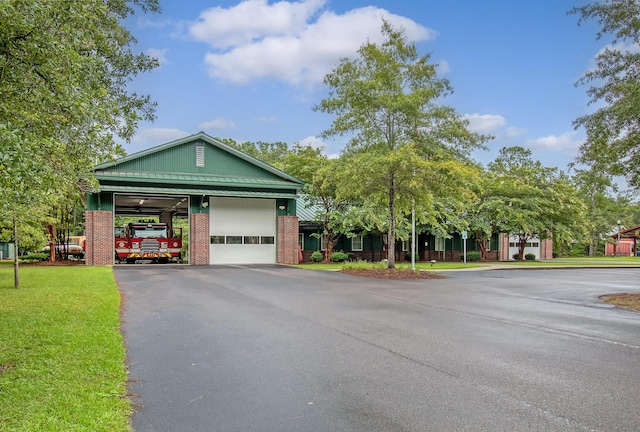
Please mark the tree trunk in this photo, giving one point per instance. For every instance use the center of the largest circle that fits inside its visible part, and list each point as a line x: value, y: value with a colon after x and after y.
x: 391, y: 251
x: 51, y: 233
x: 16, y: 278
x: 483, y: 245
x: 522, y: 243
x: 329, y: 243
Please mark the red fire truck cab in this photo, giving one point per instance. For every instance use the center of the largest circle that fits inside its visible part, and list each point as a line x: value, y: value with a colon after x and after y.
x: 148, y: 242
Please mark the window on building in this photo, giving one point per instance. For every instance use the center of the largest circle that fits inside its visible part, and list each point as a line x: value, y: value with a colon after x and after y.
x: 217, y: 239
x: 301, y: 241
x: 251, y: 239
x: 322, y: 248
x: 234, y: 239
x: 406, y: 245
x: 356, y: 243
x: 267, y: 240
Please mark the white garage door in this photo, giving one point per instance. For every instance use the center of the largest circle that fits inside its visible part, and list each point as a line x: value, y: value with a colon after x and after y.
x: 243, y: 230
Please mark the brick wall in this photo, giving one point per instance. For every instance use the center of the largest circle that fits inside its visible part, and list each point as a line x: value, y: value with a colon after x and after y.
x: 546, y: 249
x: 504, y: 247
x: 287, y: 240
x: 99, y: 246
x: 199, y: 239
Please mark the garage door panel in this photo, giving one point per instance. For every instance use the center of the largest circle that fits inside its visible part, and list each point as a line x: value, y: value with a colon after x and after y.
x: 244, y: 230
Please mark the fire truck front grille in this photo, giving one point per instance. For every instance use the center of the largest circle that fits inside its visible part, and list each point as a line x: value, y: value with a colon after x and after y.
x: 149, y: 246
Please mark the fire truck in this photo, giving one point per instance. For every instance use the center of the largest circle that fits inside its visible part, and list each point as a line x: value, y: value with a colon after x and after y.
x: 148, y: 242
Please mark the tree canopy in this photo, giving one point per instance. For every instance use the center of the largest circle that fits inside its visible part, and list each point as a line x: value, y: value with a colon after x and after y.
x: 64, y: 70
x: 527, y: 200
x: 387, y: 101
x: 613, y: 129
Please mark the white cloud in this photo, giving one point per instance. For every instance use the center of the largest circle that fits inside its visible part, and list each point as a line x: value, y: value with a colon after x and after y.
x: 443, y: 67
x: 252, y: 20
x: 294, y: 42
x: 485, y: 123
x: 631, y: 48
x: 156, y: 136
x: 563, y: 142
x: 160, y: 54
x: 217, y: 124
x: 312, y: 141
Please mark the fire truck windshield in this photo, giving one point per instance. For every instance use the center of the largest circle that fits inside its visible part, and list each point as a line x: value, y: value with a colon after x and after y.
x: 150, y: 232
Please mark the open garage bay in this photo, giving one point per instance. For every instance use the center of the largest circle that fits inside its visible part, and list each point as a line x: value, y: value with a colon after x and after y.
x: 281, y: 349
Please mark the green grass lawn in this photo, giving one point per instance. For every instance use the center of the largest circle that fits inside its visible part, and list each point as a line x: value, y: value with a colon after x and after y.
x: 62, y: 357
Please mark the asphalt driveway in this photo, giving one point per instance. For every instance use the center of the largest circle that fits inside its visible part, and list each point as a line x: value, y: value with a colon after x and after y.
x: 282, y: 349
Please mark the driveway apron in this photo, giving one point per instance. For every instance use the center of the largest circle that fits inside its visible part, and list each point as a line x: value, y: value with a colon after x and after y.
x: 272, y: 348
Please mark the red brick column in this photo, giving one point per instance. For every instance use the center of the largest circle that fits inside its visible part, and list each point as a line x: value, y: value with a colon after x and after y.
x: 199, y: 239
x: 287, y: 240
x: 546, y: 249
x: 99, y: 245
x: 504, y: 248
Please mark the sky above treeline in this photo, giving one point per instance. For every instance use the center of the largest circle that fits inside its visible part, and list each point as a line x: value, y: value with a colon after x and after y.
x: 253, y: 70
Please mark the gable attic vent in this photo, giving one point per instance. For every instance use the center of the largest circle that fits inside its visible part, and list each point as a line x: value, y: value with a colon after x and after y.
x: 199, y: 156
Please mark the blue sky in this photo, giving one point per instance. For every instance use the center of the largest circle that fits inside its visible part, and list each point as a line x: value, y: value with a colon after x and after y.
x: 253, y: 70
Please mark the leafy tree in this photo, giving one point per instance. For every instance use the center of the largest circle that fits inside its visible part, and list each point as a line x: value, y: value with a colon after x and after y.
x: 479, y: 215
x: 386, y: 101
x: 321, y: 193
x: 530, y: 201
x: 64, y: 70
x: 272, y: 153
x: 613, y: 130
x: 595, y: 188
x: 303, y: 161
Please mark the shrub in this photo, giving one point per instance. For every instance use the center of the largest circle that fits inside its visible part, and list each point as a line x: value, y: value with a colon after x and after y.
x: 515, y: 256
x: 363, y: 265
x: 577, y: 250
x: 473, y: 256
x: 316, y: 256
x: 339, y: 256
x: 35, y: 257
x: 530, y: 257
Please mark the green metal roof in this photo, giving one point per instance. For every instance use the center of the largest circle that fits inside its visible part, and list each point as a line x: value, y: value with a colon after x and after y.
x: 306, y: 212
x: 192, y: 179
x: 188, y: 191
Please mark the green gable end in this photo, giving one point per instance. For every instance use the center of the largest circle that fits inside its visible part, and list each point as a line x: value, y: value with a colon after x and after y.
x: 198, y: 154
x: 197, y: 161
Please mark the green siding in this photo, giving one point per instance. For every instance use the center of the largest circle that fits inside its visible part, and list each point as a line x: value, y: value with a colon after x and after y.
x: 100, y: 201
x: 7, y: 250
x: 182, y: 159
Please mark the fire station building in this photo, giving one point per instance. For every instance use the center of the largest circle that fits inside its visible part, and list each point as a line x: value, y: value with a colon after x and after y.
x: 239, y: 209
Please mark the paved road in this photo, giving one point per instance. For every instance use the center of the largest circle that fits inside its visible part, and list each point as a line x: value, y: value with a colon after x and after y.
x: 283, y: 349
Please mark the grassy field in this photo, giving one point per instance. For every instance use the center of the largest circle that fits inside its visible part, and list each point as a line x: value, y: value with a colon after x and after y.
x: 62, y: 357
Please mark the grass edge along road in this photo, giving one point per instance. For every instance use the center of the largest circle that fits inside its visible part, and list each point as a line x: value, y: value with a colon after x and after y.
x: 624, y: 300
x: 448, y: 265
x: 62, y: 355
